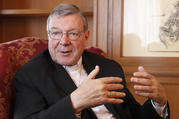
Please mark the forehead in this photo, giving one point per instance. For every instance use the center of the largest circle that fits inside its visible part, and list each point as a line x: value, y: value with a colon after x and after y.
x: 65, y: 23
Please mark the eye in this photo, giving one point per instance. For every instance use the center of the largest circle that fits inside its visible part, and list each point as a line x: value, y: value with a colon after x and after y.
x: 73, y: 33
x: 55, y: 33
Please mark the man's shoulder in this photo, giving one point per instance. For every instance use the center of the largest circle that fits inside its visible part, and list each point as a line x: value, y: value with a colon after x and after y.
x: 38, y: 62
x: 104, y: 63
x: 91, y: 57
x: 108, y: 67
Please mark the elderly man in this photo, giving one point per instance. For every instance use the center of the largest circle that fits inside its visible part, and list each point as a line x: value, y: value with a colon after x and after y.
x: 67, y: 82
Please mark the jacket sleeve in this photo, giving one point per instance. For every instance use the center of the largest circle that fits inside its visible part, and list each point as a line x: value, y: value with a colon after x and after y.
x: 30, y: 104
x: 150, y: 111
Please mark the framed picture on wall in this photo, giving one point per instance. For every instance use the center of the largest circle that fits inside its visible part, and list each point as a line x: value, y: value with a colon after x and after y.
x: 151, y: 28
x: 163, y: 26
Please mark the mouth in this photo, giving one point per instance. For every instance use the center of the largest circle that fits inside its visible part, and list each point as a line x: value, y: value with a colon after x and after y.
x: 66, y: 53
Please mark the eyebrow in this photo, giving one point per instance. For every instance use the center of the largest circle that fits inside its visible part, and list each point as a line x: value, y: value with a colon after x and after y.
x: 54, y: 28
x: 73, y: 29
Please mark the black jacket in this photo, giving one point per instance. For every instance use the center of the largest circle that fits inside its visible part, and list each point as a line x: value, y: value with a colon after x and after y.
x: 43, y: 90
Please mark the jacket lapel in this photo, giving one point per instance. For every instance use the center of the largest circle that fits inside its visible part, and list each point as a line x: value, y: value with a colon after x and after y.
x: 64, y: 81
x: 117, y: 113
x: 87, y: 63
x: 61, y: 77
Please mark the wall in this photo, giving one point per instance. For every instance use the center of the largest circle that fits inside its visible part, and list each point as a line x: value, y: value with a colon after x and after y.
x: 124, y: 46
x: 28, y: 17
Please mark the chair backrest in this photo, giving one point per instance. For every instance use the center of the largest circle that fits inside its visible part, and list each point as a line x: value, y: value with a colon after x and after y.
x: 13, y: 55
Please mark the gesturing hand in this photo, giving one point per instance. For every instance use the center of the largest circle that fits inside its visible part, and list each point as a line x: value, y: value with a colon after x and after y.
x: 146, y: 85
x: 96, y: 92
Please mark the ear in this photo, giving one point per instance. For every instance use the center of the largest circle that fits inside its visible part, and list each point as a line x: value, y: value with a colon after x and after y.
x: 87, y: 33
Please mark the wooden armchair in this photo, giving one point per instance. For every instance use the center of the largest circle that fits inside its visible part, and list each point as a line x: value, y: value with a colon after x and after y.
x: 13, y: 55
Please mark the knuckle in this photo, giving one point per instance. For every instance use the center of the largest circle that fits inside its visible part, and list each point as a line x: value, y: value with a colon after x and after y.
x: 102, y: 87
x: 146, y: 74
x: 104, y: 100
x: 121, y: 86
x: 104, y: 94
x: 154, y: 88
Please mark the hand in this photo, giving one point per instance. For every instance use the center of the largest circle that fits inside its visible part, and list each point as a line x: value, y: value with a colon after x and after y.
x: 146, y: 85
x: 92, y: 92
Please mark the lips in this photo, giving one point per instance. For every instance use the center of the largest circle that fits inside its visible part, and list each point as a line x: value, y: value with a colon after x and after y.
x: 65, y: 52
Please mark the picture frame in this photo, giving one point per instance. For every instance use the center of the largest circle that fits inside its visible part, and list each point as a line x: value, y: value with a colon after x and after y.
x: 163, y: 30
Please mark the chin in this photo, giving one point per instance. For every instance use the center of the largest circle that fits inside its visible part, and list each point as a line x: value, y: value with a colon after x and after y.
x: 66, y: 63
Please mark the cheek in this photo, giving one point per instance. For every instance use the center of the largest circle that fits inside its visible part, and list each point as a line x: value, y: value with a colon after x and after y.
x: 78, y: 47
x: 51, y: 47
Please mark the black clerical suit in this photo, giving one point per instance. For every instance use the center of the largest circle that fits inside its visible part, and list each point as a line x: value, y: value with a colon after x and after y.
x: 43, y: 90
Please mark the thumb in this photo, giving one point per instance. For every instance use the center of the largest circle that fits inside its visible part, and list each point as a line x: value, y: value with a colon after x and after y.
x: 93, y: 73
x: 141, y: 69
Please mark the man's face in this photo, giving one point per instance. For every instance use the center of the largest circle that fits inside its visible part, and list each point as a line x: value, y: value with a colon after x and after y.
x: 67, y: 51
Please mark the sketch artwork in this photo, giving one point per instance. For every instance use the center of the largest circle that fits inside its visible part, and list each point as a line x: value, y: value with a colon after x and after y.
x: 168, y: 28
x: 169, y: 32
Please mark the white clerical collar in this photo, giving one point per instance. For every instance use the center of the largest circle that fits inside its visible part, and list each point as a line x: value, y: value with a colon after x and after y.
x: 74, y: 67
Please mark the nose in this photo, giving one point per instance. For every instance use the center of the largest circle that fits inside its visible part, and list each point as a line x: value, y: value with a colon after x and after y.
x: 65, y: 40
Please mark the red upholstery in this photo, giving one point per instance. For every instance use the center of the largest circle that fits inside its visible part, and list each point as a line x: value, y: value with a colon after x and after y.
x: 97, y: 51
x: 3, y: 85
x: 13, y: 55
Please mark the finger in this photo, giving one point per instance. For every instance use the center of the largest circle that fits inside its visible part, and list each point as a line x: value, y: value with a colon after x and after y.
x: 114, y: 100
x: 93, y: 73
x: 141, y: 69
x: 111, y: 80
x: 114, y: 86
x: 142, y: 74
x: 112, y: 94
x: 141, y: 81
x: 143, y: 88
x: 146, y: 94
